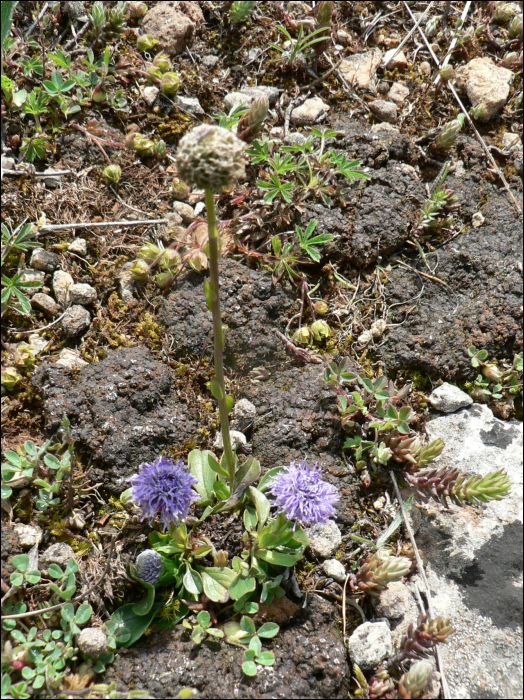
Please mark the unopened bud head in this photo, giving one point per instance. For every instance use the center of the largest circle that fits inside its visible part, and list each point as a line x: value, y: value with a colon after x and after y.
x: 112, y: 174
x: 320, y: 330
x: 146, y: 42
x: 302, y: 336
x: 211, y: 157
x: 139, y: 271
x: 170, y: 260
x: 321, y: 308
x: 149, y: 252
x: 162, y: 62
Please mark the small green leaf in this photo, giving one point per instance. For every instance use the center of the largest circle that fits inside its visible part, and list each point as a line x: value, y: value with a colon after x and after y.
x: 250, y: 518
x: 144, y: 606
x: 261, y: 504
x: 268, y: 630
x: 204, y: 473
x: 192, y: 581
x: 83, y: 614
x: 255, y: 645
x: 68, y: 612
x: 21, y: 562
x: 204, y: 619
x: 266, y: 658
x: 249, y: 668
x: 216, y: 389
x: 33, y: 577
x: 55, y: 571
x: 247, y: 624
x: 16, y: 579
x: 249, y: 654
x: 215, y: 633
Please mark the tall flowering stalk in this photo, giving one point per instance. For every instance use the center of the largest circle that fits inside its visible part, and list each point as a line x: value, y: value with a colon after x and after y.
x: 211, y: 158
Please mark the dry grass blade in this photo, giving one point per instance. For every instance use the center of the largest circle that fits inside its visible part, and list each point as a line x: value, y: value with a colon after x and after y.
x: 453, y: 41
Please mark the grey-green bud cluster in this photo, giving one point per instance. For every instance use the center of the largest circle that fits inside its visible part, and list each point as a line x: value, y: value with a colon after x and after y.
x: 211, y: 158
x: 515, y: 28
x: 449, y: 133
x: 112, y: 173
x: 415, y: 683
x: 149, y: 565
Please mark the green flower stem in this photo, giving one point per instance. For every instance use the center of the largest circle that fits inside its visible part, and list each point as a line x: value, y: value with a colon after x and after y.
x: 218, y: 333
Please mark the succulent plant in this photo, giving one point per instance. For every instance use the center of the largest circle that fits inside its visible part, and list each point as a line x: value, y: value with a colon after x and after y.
x: 449, y: 133
x: 380, y: 569
x: 415, y: 683
x: 420, y: 640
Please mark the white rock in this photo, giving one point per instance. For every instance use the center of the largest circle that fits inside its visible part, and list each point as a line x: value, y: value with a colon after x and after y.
x: 71, y: 359
x: 398, y: 93
x: 209, y: 61
x: 394, y: 601
x: 308, y: 112
x: 359, y: 70
x: 78, y: 246
x: 485, y: 83
x: 512, y: 141
x: 81, y: 293
x: 399, y: 61
x: 425, y: 68
x: 185, y: 211
x: 324, y: 540
x: 387, y: 111
x: 335, y: 570
x: 126, y: 285
x: 370, y: 644
x: 38, y: 343
x: 383, y: 126
x: 62, y: 283
x: 76, y: 321
x: 237, y: 439
x: 93, y: 642
x: 28, y: 535
x: 478, y: 443
x: 190, y: 104
x: 477, y: 219
x: 449, y: 398
x: 243, y: 415
x: 149, y: 94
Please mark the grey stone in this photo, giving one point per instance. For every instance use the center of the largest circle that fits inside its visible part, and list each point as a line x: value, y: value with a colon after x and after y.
x: 518, y: 164
x: 295, y: 138
x: 425, y: 68
x: 360, y: 68
x: 45, y: 303
x: 387, y: 111
x: 84, y: 294
x: 449, y: 398
x: 324, y: 540
x: 28, y: 535
x: 62, y: 283
x: 44, y: 260
x: 76, y: 321
x: 392, y: 61
x: 398, y: 93
x: 173, y: 24
x: 243, y: 415
x: 190, y: 104
x: 383, y: 126
x: 485, y: 83
x: 512, y: 141
x: 185, y: 211
x: 126, y: 286
x: 310, y: 111
x: 93, y: 642
x: 59, y: 553
x: 51, y: 182
x: 335, y: 570
x: 394, y: 601
x: 71, y: 359
x: 248, y: 95
x: 32, y: 276
x: 370, y: 644
x: 78, y: 246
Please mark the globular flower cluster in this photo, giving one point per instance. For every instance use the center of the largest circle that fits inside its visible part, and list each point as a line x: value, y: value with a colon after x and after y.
x: 163, y: 489
x: 149, y: 565
x: 303, y: 496
x: 211, y: 158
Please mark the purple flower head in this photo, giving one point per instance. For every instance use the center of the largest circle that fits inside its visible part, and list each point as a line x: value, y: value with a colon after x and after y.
x: 302, y: 495
x: 164, y: 489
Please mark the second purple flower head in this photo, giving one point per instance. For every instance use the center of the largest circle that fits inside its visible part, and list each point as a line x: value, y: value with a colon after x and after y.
x: 303, y: 496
